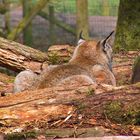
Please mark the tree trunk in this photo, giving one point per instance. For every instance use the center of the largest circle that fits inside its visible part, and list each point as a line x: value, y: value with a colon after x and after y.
x: 128, y: 26
x: 18, y: 57
x: 136, y: 71
x: 51, y: 25
x: 7, y: 16
x: 27, y: 32
x: 59, y: 105
x: 105, y: 4
x: 27, y: 19
x: 82, y: 18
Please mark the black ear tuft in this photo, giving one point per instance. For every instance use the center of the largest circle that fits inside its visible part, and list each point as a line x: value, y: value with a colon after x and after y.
x: 81, y: 39
x: 104, y: 41
x: 108, y: 36
x: 80, y: 36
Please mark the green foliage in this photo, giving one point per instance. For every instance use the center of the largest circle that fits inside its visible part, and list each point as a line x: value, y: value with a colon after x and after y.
x: 95, y: 6
x: 115, y: 111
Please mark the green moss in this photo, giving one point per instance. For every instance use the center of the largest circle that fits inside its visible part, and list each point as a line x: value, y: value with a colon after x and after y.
x: 54, y: 58
x: 116, y: 112
x: 90, y: 91
x: 10, y: 80
x: 128, y: 31
x: 66, y: 60
x: 19, y: 136
x: 113, y: 111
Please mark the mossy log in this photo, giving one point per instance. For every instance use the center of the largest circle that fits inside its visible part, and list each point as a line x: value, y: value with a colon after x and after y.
x: 136, y: 71
x: 18, y: 57
x: 62, y: 106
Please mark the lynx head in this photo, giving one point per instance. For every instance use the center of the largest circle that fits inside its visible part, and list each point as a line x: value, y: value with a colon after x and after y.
x: 106, y: 50
x: 94, y: 52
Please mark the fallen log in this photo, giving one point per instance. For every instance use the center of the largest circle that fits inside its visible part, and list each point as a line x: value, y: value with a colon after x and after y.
x: 61, y: 106
x: 18, y: 57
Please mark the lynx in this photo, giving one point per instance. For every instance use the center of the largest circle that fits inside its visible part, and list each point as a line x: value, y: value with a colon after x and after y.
x: 91, y: 63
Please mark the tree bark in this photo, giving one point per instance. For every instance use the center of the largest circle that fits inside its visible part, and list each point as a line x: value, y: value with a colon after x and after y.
x: 105, y: 4
x: 128, y: 30
x: 7, y: 16
x: 18, y: 57
x: 82, y: 18
x: 136, y: 71
x: 52, y: 25
x: 27, y: 32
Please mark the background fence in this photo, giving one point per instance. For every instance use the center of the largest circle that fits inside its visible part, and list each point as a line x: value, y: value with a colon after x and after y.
x: 102, y: 20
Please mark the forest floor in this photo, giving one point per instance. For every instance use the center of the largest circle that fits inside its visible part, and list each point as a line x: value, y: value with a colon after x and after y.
x: 122, y: 68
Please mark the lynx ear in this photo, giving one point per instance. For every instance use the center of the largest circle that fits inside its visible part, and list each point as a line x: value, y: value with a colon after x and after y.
x: 106, y: 40
x: 105, y: 43
x: 81, y: 39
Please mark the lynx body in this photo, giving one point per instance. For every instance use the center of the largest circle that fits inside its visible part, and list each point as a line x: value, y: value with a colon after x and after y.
x: 91, y: 63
